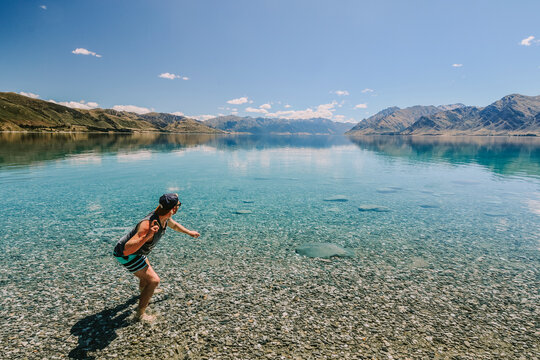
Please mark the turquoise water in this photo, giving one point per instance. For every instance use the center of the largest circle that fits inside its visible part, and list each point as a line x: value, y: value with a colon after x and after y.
x: 489, y: 195
x: 455, y: 203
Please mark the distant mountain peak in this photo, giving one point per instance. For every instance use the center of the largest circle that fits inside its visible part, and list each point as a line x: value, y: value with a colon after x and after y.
x: 514, y: 114
x: 262, y: 125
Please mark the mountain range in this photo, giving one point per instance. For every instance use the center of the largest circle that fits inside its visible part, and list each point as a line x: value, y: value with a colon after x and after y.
x: 512, y: 115
x: 261, y: 125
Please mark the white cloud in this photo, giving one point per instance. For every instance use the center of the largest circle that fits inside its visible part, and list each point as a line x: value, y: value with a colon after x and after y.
x: 132, y: 108
x: 77, y: 104
x: 172, y: 76
x: 266, y: 106
x: 255, y: 110
x: 238, y: 101
x: 178, y: 113
x: 322, y: 111
x: 528, y: 41
x: 234, y: 112
x: 169, y: 76
x: 344, y: 119
x: 29, y: 94
x: 457, y: 65
x: 202, y: 117
x: 341, y: 92
x: 367, y: 90
x: 287, y: 106
x: 43, y: 7
x: 361, y: 106
x: 81, y: 51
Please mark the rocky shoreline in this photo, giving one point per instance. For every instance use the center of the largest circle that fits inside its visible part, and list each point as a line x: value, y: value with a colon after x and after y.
x: 242, y: 302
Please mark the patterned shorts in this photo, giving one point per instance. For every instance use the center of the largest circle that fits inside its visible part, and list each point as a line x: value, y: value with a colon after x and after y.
x: 133, y: 262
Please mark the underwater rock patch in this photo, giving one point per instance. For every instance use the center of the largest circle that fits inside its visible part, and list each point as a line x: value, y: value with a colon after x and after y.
x: 337, y: 198
x: 323, y: 250
x: 429, y: 206
x: 494, y: 214
x: 387, y: 190
x: 374, y: 208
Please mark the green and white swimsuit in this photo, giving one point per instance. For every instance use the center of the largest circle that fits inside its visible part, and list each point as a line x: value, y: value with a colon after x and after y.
x: 137, y: 260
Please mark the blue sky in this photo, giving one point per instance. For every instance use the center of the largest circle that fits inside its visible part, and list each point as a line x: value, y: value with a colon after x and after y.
x: 343, y: 60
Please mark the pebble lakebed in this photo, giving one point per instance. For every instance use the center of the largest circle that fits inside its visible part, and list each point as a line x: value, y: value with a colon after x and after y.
x: 261, y: 300
x: 444, y: 257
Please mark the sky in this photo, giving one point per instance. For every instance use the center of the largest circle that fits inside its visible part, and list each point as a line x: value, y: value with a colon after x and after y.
x: 339, y: 59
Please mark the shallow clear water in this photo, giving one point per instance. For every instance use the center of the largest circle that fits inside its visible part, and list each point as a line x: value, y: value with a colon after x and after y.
x: 90, y: 190
x: 454, y: 202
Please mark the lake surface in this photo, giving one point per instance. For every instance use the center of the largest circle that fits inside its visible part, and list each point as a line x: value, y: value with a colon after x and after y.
x: 456, y: 248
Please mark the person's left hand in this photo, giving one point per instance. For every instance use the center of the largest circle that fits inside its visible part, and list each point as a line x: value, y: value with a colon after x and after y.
x: 194, y: 234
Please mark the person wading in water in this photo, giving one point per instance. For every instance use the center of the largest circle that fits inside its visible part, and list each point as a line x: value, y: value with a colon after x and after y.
x: 132, y: 248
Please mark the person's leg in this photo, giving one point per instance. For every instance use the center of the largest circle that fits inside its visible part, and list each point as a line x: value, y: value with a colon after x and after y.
x: 142, y: 283
x: 150, y: 280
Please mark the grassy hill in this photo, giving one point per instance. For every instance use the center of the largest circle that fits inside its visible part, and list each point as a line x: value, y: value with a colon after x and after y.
x: 21, y: 113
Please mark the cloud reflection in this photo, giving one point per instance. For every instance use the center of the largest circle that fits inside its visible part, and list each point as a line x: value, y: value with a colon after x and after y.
x: 134, y: 156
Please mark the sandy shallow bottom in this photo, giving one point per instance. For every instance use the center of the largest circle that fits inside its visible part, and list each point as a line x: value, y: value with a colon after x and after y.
x: 246, y: 302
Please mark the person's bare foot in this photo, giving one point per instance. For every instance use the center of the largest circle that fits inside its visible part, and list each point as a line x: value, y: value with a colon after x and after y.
x: 145, y: 317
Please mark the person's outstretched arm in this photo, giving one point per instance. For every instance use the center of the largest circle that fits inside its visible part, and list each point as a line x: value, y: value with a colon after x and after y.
x: 144, y: 233
x: 177, y: 227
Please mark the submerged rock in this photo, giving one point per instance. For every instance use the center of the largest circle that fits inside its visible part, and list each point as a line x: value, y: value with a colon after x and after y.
x: 242, y: 212
x: 387, y: 190
x: 323, y: 250
x: 374, y: 208
x: 337, y: 198
x: 429, y: 206
x: 494, y: 214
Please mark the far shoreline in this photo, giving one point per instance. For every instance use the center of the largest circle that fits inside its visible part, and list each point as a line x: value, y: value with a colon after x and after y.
x: 264, y: 134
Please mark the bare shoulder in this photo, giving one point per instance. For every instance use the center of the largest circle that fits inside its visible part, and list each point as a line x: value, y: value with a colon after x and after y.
x: 144, y: 226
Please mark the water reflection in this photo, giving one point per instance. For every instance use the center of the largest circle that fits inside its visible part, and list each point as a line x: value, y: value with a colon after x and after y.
x: 28, y: 148
x: 502, y: 155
